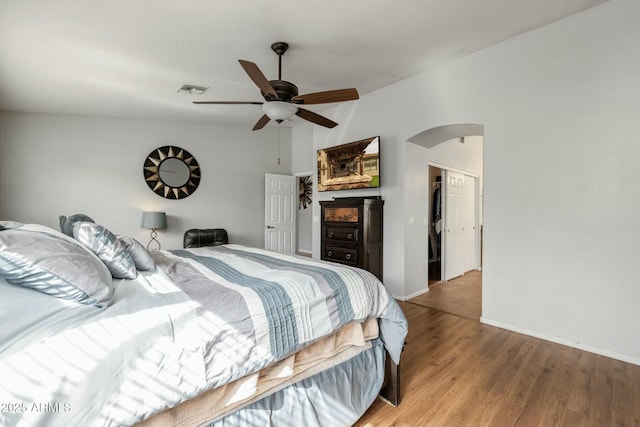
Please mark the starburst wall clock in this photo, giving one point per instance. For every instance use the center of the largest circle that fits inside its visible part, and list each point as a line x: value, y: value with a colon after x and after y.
x: 171, y: 172
x: 304, y: 191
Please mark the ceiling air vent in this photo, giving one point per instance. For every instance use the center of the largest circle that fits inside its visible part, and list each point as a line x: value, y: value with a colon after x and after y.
x: 192, y: 89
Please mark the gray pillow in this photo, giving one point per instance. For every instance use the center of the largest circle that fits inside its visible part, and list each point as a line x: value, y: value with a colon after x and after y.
x: 107, y: 247
x: 66, y: 222
x: 140, y: 255
x: 40, y: 258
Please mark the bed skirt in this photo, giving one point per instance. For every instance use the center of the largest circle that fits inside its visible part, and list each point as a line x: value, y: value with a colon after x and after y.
x: 336, y: 397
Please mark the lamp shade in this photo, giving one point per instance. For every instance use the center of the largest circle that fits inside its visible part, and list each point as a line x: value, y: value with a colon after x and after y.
x: 279, y: 110
x: 153, y: 220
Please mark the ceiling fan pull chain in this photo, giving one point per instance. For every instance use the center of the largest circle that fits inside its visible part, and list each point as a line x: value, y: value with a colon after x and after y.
x: 279, y: 129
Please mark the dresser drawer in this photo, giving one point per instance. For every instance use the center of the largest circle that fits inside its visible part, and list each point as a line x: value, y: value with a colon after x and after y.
x: 348, y: 234
x: 343, y: 255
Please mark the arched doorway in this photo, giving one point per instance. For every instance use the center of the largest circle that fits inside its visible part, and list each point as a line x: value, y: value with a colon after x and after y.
x: 452, y: 155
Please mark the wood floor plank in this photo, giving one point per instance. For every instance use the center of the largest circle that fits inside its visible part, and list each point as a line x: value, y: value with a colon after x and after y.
x: 477, y: 384
x: 623, y: 410
x: 501, y: 404
x: 581, y: 400
x: 459, y: 372
x: 461, y: 296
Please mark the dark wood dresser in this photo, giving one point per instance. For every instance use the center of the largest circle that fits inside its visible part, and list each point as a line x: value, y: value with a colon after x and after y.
x: 351, y: 232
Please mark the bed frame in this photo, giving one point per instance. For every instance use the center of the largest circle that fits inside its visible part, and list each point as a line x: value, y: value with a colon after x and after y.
x: 390, y: 391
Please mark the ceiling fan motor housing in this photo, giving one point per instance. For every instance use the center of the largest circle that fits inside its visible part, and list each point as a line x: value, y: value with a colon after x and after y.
x: 285, y: 90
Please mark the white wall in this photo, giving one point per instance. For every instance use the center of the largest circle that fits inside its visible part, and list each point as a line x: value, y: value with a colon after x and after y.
x: 305, y: 227
x: 55, y: 164
x: 303, y: 158
x: 466, y: 157
x: 351, y: 129
x: 560, y: 112
x: 303, y: 161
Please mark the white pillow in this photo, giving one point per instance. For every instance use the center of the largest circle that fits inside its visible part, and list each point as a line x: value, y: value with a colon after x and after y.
x: 41, y: 258
x: 107, y: 247
x: 140, y: 255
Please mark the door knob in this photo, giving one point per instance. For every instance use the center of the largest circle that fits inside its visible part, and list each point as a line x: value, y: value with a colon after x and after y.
x: 270, y: 226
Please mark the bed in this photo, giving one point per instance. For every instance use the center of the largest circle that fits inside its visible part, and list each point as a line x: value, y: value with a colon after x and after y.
x: 215, y: 336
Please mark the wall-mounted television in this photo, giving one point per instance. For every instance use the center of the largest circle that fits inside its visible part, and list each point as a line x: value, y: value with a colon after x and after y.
x: 349, y: 166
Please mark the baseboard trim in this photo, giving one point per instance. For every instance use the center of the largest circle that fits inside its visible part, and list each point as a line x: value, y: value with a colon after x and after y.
x: 305, y: 252
x: 563, y: 341
x: 413, y: 295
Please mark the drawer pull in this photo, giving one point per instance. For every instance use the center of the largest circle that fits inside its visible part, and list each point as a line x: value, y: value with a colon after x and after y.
x: 350, y: 236
x: 329, y: 253
x: 331, y: 234
x: 348, y: 256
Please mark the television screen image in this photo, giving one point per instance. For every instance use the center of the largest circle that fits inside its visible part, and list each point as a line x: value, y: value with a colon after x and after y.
x: 350, y: 166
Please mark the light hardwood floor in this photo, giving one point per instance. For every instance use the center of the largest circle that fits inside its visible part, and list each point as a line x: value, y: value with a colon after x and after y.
x: 461, y: 296
x: 459, y: 372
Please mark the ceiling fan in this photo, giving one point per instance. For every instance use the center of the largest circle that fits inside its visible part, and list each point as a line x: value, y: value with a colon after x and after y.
x: 281, y: 97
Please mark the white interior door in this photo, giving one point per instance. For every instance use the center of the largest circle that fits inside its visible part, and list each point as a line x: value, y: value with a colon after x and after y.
x: 468, y: 232
x: 452, y: 233
x: 459, y: 224
x: 280, y: 198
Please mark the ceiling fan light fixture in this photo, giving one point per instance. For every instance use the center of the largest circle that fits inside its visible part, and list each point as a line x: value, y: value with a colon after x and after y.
x: 279, y: 110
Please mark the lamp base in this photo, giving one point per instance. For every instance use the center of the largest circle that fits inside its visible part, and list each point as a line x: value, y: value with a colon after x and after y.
x: 154, y: 234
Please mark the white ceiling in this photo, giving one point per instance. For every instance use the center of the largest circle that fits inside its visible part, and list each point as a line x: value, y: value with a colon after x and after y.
x: 127, y: 58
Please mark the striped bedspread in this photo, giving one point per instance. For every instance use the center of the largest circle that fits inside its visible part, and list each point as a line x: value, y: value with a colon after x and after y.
x: 256, y: 307
x: 205, y: 318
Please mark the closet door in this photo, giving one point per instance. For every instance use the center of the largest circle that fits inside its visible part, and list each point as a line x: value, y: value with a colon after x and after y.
x: 469, y: 224
x: 454, y: 221
x: 459, y: 224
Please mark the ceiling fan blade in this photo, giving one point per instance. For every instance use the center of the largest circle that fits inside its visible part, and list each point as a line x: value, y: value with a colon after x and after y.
x: 262, y: 122
x: 315, y: 118
x: 228, y: 102
x: 329, y: 96
x: 258, y: 78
